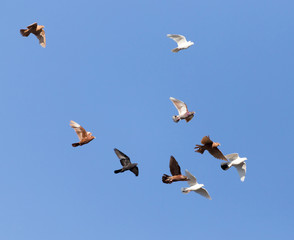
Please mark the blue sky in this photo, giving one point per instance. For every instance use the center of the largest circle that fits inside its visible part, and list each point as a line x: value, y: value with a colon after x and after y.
x: 108, y: 65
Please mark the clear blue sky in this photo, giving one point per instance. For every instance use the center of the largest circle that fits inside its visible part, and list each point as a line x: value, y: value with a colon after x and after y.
x: 108, y: 65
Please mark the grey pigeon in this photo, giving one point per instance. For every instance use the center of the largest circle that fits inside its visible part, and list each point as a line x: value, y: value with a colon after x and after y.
x: 126, y: 163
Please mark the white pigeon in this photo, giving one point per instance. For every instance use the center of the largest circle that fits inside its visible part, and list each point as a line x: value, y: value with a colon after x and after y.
x: 183, y: 111
x: 181, y: 41
x: 194, y: 186
x: 237, y: 162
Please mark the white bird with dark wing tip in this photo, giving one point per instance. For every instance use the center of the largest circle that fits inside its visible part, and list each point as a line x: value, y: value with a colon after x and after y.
x: 237, y: 162
x: 195, y: 186
x: 181, y: 41
x: 182, y: 110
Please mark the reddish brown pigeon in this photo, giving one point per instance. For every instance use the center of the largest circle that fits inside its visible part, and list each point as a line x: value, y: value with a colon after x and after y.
x: 84, y: 136
x: 175, y: 171
x: 211, y: 147
x: 37, y: 30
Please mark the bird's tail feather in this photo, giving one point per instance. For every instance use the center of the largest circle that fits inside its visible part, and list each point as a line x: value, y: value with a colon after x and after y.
x: 176, y: 119
x: 165, y: 179
x: 199, y: 149
x: 75, y: 144
x: 175, y: 50
x: 225, y: 166
x: 117, y: 171
x: 184, y: 190
x: 24, y: 32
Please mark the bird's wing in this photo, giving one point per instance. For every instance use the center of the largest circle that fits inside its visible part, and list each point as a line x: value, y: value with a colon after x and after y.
x: 189, y: 118
x: 174, y: 167
x: 217, y: 153
x: 192, y: 180
x: 203, y: 192
x: 42, y: 38
x: 33, y: 25
x: 180, y: 106
x: 81, y: 132
x: 124, y: 159
x: 179, y: 39
x: 232, y: 156
x: 206, y: 140
x: 135, y: 170
x: 241, y: 168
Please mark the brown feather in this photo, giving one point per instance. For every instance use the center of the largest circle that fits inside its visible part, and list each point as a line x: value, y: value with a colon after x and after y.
x: 206, y: 140
x: 174, y: 167
x: 214, y: 151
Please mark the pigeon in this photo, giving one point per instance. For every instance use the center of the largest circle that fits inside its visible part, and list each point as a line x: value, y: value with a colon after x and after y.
x: 175, y: 170
x: 237, y: 162
x: 194, y: 186
x: 85, y: 137
x: 181, y: 41
x: 126, y: 163
x: 211, y: 147
x: 183, y: 111
x: 37, y: 30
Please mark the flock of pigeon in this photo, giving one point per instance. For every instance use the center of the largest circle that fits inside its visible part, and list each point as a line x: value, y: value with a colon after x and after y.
x: 85, y: 137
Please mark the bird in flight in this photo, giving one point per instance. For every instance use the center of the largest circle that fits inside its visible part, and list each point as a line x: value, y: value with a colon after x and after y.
x: 84, y: 136
x: 182, y: 110
x: 126, y: 163
x: 181, y: 41
x: 175, y: 171
x: 37, y: 30
x: 211, y: 147
x: 195, y: 186
x: 237, y: 162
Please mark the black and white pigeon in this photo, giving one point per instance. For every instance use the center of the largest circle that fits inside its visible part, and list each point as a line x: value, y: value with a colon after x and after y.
x: 126, y: 163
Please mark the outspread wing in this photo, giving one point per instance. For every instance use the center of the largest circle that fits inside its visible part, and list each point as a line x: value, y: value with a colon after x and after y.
x: 206, y: 140
x: 214, y: 151
x: 81, y: 132
x: 192, y: 180
x: 232, y: 156
x: 203, y: 192
x: 179, y: 39
x: 33, y: 25
x: 241, y: 168
x: 124, y: 159
x: 180, y: 106
x: 135, y: 170
x: 42, y: 38
x: 174, y: 167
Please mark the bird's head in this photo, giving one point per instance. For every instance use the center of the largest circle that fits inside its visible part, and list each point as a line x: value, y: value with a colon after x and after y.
x: 90, y: 135
x: 192, y: 43
x: 216, y: 144
x: 176, y: 119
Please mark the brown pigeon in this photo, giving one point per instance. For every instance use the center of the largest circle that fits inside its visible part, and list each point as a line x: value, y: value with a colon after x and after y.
x: 175, y: 170
x: 85, y: 137
x: 37, y: 30
x: 126, y: 163
x: 211, y: 147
